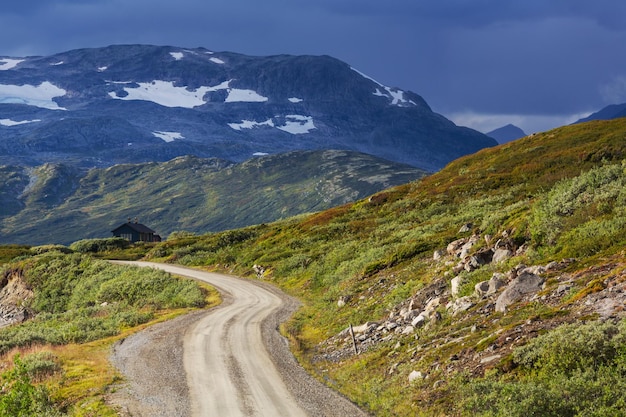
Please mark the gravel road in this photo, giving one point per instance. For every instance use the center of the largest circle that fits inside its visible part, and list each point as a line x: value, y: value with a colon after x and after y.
x: 228, y: 361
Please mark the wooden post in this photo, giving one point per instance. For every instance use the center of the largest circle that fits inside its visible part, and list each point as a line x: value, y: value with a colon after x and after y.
x: 356, y: 350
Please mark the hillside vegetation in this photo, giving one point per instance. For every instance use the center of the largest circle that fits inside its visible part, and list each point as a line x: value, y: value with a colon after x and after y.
x: 69, y: 309
x: 58, y: 204
x: 518, y: 312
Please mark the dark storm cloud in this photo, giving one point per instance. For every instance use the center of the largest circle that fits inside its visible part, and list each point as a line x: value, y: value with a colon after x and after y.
x: 471, y: 59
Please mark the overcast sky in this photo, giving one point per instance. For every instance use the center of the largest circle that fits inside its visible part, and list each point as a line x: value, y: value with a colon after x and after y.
x: 482, y: 63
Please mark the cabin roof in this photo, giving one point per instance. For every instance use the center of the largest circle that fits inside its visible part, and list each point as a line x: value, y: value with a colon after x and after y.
x: 138, y: 227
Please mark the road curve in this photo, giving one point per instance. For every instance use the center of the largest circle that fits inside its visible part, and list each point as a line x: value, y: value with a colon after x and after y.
x: 231, y: 361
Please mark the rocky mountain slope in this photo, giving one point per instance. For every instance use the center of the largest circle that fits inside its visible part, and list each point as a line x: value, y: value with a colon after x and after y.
x: 140, y: 103
x: 58, y: 203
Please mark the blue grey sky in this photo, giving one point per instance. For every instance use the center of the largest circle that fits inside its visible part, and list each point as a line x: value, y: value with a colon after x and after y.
x: 482, y: 63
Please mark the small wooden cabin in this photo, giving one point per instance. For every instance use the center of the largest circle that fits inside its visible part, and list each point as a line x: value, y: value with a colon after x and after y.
x: 136, y: 232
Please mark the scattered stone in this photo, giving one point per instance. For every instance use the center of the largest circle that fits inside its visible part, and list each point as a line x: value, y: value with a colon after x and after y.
x: 467, y: 227
x: 491, y: 358
x: 486, y: 288
x: 525, y: 283
x: 432, y: 305
x: 501, y: 255
x: 456, y: 286
x: 408, y: 330
x: 415, y: 376
x: 418, y: 321
x: 459, y: 305
x: 438, y: 254
x: 259, y: 271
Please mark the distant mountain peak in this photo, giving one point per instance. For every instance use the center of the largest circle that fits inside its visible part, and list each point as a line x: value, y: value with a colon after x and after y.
x: 613, y: 111
x: 506, y: 133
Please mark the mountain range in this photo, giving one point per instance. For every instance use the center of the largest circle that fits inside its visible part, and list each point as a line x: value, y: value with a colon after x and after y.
x: 141, y: 103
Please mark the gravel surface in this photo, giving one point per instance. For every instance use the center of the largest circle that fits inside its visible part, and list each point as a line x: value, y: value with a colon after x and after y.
x: 152, y: 362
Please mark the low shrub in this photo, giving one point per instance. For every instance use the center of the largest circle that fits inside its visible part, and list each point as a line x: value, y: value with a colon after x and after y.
x: 99, y: 245
x: 575, y: 370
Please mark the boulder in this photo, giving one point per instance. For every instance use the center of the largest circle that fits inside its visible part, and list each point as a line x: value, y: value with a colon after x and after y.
x: 455, y: 286
x: 415, y: 376
x: 525, y: 283
x: 432, y: 305
x: 467, y: 227
x: 454, y: 247
x: 501, y: 255
x: 459, y: 305
x: 418, y: 321
x: 438, y: 254
x: 408, y: 330
x: 486, y: 288
x: 365, y: 327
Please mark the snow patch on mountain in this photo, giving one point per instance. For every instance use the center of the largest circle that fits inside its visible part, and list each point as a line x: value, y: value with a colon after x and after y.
x: 8, y: 63
x: 297, y: 124
x: 216, y: 61
x: 395, y: 95
x: 165, y: 93
x: 249, y: 124
x: 295, y: 99
x: 237, y: 95
x: 293, y: 123
x: 9, y: 122
x: 102, y: 69
x: 168, y: 136
x: 177, y: 55
x: 41, y: 95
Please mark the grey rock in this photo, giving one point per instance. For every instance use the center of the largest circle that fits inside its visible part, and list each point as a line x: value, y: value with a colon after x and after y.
x: 525, y: 283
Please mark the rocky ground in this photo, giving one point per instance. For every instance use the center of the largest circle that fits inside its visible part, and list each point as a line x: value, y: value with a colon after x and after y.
x: 597, y: 292
x: 13, y: 294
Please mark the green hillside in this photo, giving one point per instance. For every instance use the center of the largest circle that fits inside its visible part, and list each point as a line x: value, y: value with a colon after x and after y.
x: 493, y: 287
x: 57, y: 204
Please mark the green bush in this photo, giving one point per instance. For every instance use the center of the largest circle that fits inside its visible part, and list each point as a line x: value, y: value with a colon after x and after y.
x: 599, y: 190
x: 20, y: 398
x: 99, y: 245
x: 576, y: 370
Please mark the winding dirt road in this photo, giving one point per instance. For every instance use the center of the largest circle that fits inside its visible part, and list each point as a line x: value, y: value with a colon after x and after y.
x: 237, y: 364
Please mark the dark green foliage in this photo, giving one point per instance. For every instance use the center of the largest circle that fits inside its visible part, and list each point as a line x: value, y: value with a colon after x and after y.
x: 20, y: 398
x: 99, y: 245
x: 9, y: 252
x: 577, y: 370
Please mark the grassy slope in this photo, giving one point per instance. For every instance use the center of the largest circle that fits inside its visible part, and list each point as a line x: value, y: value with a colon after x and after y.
x: 81, y: 307
x: 378, y: 252
x: 192, y: 194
